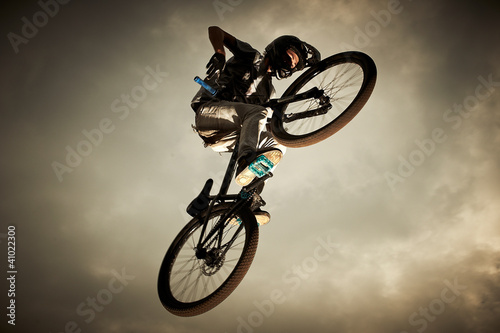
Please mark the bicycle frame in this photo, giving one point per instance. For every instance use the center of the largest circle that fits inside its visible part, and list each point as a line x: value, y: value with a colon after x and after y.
x: 205, y: 202
x: 211, y: 255
x: 241, y: 199
x: 276, y: 104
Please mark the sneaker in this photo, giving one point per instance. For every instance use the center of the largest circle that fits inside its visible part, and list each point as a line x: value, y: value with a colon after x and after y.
x: 262, y: 165
x: 262, y: 216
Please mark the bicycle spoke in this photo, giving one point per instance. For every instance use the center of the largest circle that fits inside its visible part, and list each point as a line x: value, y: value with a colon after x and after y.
x: 193, y: 279
x: 184, y: 282
x: 340, y: 83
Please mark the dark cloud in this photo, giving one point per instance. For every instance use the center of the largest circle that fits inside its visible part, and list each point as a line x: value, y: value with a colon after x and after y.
x: 396, y: 248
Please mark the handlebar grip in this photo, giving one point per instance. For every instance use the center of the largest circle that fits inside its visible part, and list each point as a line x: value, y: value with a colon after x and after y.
x: 205, y: 85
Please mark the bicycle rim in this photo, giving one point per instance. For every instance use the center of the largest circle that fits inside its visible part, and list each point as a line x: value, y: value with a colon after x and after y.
x: 190, y: 286
x: 347, y: 80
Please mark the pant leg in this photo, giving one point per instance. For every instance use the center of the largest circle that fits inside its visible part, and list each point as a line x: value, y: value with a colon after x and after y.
x: 253, y: 122
x: 267, y: 142
x: 224, y: 118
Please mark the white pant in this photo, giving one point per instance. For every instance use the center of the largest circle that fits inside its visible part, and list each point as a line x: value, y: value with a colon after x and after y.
x: 221, y: 122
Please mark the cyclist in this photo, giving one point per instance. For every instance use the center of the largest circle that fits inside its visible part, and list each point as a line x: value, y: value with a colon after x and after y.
x: 244, y: 84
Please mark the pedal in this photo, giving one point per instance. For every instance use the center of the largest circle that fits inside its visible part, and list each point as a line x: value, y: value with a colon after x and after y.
x: 261, y: 166
x: 235, y: 221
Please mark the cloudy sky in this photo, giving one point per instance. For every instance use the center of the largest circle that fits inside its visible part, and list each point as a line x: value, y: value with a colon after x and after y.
x: 391, y: 225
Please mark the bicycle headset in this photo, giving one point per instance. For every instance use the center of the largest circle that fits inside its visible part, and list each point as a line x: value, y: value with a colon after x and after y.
x: 279, y: 60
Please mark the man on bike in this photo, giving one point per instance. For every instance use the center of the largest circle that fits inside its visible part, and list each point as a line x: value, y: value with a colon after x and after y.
x: 243, y: 85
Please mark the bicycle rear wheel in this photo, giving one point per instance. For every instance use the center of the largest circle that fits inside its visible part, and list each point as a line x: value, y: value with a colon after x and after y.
x: 347, y: 80
x: 188, y: 285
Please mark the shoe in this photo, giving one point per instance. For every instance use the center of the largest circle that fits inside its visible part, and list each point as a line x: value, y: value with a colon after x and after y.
x: 243, y: 163
x: 262, y: 216
x: 259, y: 167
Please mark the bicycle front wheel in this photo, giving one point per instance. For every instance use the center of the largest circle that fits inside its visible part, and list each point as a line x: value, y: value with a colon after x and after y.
x: 346, y: 79
x: 192, y: 281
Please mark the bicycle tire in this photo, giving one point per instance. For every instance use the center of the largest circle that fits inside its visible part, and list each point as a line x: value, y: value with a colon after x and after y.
x: 171, y: 299
x: 286, y: 135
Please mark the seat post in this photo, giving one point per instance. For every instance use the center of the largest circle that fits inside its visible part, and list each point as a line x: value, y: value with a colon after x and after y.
x: 229, y: 171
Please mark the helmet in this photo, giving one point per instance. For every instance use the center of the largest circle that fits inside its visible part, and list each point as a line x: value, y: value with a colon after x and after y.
x: 279, y: 60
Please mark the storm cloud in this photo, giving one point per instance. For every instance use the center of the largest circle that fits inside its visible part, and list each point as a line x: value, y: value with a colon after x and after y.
x: 391, y: 225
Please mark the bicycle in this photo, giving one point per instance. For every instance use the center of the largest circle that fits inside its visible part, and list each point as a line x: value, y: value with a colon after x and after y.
x: 212, y: 253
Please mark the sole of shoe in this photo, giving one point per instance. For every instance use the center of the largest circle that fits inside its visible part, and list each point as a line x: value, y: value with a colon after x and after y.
x: 262, y: 165
x: 262, y: 218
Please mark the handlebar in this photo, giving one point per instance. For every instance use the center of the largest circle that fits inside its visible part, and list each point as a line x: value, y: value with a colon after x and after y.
x: 205, y: 85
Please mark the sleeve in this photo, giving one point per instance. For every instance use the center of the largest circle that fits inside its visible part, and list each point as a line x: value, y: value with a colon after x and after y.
x: 244, y: 50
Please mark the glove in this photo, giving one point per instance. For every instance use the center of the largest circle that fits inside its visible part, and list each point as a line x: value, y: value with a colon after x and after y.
x: 216, y: 64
